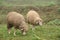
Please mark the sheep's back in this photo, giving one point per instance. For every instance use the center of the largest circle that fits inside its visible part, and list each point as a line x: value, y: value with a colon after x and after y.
x: 15, y: 18
x: 31, y: 16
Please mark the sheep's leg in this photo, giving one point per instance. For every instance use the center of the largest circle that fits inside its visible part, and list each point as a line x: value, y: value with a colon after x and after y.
x: 9, y: 31
x: 24, y: 33
x: 9, y: 28
x: 15, y: 31
x: 33, y: 27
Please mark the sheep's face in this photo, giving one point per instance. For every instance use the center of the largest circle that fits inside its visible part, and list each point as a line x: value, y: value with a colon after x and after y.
x: 39, y: 22
x: 24, y: 29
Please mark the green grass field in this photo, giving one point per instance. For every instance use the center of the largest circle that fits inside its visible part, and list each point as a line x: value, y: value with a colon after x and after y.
x: 27, y: 2
x: 46, y: 32
x: 49, y: 13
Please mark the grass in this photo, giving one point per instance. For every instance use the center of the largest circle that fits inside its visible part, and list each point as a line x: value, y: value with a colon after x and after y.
x: 46, y: 32
x: 27, y: 2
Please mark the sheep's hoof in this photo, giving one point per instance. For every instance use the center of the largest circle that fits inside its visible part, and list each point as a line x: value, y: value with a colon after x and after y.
x: 9, y: 33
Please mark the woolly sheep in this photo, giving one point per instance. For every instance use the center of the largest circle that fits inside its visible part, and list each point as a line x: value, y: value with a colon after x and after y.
x: 34, y: 18
x: 17, y: 20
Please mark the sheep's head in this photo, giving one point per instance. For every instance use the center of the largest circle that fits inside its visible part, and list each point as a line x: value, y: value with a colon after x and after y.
x: 39, y: 21
x: 24, y: 28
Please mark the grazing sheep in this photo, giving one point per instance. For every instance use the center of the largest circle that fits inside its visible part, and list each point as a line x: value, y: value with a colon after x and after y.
x: 34, y: 18
x: 17, y: 20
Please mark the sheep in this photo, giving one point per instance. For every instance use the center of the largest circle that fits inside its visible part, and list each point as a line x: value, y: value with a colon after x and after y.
x: 17, y: 21
x: 33, y: 18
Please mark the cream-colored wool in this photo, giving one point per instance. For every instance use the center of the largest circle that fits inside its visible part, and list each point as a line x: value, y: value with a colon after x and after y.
x: 34, y: 18
x: 17, y: 21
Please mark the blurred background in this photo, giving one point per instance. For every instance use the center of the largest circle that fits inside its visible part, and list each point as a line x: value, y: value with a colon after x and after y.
x: 48, y: 9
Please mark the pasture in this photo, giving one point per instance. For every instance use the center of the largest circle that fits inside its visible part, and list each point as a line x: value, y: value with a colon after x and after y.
x: 45, y: 32
x: 49, y: 31
x: 49, y: 10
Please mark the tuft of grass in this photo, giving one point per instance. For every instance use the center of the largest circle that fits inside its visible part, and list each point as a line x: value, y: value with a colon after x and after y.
x: 54, y: 22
